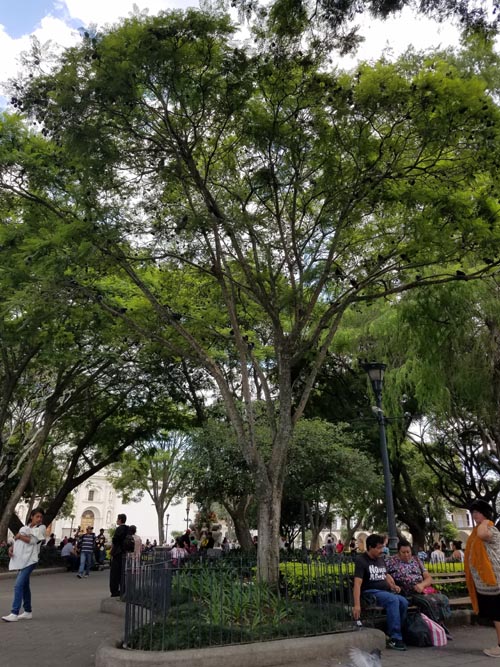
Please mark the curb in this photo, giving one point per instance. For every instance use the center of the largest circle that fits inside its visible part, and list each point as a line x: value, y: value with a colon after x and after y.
x: 302, y: 650
x: 113, y: 606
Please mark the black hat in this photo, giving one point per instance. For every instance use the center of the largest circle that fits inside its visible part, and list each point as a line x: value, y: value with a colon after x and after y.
x: 483, y: 507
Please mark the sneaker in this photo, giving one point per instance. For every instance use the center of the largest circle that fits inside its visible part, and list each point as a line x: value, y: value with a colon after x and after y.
x: 396, y: 644
x: 26, y: 616
x: 79, y: 576
x: 11, y: 618
x: 86, y: 576
x: 492, y: 652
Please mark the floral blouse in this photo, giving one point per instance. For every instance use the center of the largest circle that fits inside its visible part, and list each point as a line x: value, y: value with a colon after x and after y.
x: 406, y: 575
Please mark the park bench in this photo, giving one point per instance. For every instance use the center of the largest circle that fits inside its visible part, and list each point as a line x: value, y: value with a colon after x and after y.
x: 443, y: 578
x: 373, y: 612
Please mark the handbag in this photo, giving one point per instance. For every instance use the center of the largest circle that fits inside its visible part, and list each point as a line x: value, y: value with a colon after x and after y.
x: 437, y: 633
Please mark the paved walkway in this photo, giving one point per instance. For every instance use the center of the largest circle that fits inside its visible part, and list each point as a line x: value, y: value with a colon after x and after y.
x: 67, y: 628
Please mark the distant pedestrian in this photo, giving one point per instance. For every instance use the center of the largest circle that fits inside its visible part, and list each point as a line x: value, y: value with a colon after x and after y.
x: 437, y: 556
x: 329, y: 547
x: 100, y: 548
x: 86, y: 546
x: 117, y: 554
x: 339, y: 547
x: 69, y: 555
x: 137, y: 552
x: 24, y: 556
x: 457, y: 555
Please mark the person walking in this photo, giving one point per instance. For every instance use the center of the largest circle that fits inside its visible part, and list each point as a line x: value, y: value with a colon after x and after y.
x: 117, y: 554
x: 86, y: 547
x: 24, y: 555
x: 482, y: 568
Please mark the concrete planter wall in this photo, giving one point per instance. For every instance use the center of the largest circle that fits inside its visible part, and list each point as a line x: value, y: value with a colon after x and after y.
x: 265, y: 654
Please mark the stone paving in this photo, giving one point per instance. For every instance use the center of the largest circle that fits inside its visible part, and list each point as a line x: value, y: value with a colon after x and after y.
x: 67, y: 625
x: 67, y: 628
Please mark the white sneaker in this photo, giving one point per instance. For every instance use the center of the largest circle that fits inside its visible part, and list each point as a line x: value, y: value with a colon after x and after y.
x: 26, y: 615
x: 492, y: 652
x: 11, y: 618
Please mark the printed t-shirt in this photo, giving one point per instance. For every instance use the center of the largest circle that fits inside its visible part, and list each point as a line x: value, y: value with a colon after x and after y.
x: 372, y: 571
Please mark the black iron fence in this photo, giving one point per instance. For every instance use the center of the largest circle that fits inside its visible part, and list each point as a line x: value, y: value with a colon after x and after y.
x: 213, y: 599
x: 221, y: 601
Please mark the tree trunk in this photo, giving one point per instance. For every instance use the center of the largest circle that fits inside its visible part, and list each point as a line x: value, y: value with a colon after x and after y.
x: 418, y: 536
x: 160, y: 512
x: 268, y: 551
x: 238, y: 515
x: 315, y: 533
x: 29, y: 464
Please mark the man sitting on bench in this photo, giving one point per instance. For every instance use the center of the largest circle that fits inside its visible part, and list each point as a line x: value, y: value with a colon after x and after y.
x: 370, y: 577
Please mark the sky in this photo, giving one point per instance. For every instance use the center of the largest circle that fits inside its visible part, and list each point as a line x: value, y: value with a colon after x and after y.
x: 58, y: 21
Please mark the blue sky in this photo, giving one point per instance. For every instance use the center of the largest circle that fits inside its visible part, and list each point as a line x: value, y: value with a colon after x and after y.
x: 22, y: 17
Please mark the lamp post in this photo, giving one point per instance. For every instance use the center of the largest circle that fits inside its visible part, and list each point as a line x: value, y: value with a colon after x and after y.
x: 375, y: 372
x: 166, y: 528
x: 187, y: 514
x: 72, y: 517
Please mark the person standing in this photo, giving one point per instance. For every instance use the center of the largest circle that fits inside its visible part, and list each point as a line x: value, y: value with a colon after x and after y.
x: 24, y: 557
x: 86, y: 547
x: 117, y: 553
x: 371, y: 577
x: 137, y: 552
x: 100, y: 548
x: 482, y: 568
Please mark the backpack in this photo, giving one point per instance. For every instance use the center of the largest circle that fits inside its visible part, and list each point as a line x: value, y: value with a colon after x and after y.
x: 129, y: 544
x: 416, y: 632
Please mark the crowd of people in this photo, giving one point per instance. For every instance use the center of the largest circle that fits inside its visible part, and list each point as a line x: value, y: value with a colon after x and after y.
x: 393, y: 581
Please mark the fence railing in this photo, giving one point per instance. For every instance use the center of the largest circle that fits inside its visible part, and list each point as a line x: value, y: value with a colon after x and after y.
x: 220, y: 601
x: 213, y: 601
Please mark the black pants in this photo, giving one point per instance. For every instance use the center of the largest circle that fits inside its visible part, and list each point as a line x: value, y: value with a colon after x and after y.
x: 115, y: 576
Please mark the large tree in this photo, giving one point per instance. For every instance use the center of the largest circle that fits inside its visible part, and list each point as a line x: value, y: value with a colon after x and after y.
x: 247, y: 198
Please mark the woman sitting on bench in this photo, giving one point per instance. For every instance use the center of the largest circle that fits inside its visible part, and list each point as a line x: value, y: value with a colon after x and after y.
x: 415, y: 582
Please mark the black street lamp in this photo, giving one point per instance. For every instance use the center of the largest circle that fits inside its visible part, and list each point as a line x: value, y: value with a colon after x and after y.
x: 375, y: 372
x: 187, y: 515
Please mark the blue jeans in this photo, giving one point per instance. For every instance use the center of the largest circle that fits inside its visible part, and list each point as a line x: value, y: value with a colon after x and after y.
x: 22, y: 591
x: 85, y: 562
x: 395, y: 607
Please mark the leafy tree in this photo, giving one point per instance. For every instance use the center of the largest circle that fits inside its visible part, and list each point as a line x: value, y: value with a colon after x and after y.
x: 243, y: 201
x: 218, y: 473
x: 156, y: 467
x: 325, y: 469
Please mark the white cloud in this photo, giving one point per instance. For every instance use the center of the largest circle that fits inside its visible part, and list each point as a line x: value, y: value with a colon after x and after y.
x: 50, y: 29
x: 101, y: 12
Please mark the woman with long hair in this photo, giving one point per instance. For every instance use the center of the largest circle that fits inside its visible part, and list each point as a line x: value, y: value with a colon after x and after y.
x: 24, y: 556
